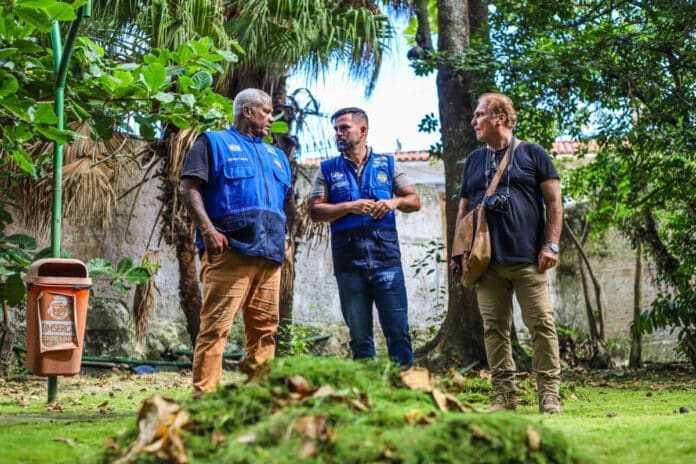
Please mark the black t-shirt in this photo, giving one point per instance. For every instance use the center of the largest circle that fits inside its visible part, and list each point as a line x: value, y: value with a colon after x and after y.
x: 197, y: 162
x: 518, y: 235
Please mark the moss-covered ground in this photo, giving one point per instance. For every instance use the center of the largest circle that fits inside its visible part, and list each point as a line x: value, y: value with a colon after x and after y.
x: 356, y: 412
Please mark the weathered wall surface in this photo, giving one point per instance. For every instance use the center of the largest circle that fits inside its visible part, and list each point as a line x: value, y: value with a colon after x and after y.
x: 135, y: 229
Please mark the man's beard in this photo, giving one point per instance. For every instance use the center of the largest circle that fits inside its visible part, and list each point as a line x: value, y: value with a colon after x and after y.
x: 344, y: 146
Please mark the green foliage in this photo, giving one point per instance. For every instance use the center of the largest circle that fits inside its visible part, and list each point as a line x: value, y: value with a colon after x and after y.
x: 622, y: 75
x: 163, y: 87
x: 428, y: 265
x: 126, y: 272
x: 297, y: 339
x: 166, y: 87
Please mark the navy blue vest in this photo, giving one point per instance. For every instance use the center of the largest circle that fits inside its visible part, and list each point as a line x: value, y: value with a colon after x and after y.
x: 244, y: 195
x: 360, y: 242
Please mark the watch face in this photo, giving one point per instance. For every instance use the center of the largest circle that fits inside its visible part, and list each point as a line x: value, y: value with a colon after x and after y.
x: 552, y: 246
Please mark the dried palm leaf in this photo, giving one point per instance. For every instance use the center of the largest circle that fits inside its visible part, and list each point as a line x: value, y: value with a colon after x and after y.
x: 88, y: 197
x: 144, y: 298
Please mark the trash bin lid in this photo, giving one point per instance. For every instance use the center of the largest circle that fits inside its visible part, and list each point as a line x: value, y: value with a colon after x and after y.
x: 58, y: 271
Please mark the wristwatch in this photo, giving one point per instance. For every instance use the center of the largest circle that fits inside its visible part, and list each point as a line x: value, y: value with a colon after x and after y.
x: 552, y: 246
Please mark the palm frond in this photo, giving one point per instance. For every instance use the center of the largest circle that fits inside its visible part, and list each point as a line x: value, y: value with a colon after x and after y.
x: 310, y: 36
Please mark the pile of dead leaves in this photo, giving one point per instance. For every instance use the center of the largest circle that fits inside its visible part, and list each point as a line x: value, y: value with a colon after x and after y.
x: 332, y: 410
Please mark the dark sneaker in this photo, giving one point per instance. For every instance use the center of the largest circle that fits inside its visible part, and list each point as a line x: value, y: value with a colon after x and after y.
x: 503, y: 402
x: 548, y: 404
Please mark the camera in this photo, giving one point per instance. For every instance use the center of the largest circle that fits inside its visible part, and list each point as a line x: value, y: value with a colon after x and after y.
x: 498, y: 202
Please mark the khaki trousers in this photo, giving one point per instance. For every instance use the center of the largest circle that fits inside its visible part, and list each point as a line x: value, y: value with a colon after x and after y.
x: 232, y: 281
x: 494, y: 294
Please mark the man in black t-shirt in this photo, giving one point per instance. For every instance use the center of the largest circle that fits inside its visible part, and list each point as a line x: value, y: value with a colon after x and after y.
x: 525, y: 226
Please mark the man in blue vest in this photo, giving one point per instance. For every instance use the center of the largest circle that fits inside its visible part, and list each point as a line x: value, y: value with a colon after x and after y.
x: 358, y: 192
x: 238, y: 193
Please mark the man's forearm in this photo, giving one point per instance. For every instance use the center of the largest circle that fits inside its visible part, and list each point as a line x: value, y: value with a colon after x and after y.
x: 409, y: 203
x: 194, y: 205
x: 554, y: 222
x: 329, y: 212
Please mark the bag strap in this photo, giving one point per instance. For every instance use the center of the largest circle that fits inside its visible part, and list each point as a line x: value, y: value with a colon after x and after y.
x: 514, y: 143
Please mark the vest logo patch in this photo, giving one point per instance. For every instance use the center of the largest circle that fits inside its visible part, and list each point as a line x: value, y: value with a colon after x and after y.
x: 337, y: 175
x: 234, y: 158
x: 382, y: 177
x: 234, y: 147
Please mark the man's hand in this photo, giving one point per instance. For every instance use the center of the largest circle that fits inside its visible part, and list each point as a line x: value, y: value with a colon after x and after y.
x: 362, y: 206
x: 382, y: 207
x: 215, y: 242
x: 547, y: 259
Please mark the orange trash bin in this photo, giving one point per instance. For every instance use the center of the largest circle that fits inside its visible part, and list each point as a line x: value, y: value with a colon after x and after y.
x: 57, y: 298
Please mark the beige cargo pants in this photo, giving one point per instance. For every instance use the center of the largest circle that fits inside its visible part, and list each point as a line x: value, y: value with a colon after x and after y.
x: 494, y: 294
x: 232, y: 281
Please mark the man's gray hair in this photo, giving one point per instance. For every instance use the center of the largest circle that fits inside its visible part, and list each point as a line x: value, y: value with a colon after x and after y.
x: 251, y: 98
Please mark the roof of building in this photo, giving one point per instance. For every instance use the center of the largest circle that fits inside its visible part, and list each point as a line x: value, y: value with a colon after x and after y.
x: 560, y: 147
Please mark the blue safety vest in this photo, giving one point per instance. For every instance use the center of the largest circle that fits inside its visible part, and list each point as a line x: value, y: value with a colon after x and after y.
x: 359, y: 241
x: 244, y: 195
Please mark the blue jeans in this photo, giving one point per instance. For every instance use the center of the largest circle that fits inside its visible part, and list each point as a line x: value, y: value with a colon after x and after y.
x: 386, y: 289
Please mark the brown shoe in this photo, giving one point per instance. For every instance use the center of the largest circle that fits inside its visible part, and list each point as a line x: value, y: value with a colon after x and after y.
x: 503, y: 402
x: 548, y: 404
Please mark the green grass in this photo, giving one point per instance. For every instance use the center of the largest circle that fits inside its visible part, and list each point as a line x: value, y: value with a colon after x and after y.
x: 614, y: 417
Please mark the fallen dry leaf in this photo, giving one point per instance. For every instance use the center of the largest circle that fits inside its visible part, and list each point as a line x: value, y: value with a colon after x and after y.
x: 246, y: 438
x: 573, y: 397
x: 104, y: 403
x: 485, y: 375
x: 324, y: 390
x: 160, y: 421
x: 479, y: 433
x: 657, y: 387
x: 298, y: 384
x: 416, y: 378
x: 611, y: 414
x: 310, y: 426
x: 308, y: 449
x: 440, y: 400
x: 533, y: 438
x: 54, y: 408
x: 68, y: 441
x: 458, y: 380
x: 217, y: 437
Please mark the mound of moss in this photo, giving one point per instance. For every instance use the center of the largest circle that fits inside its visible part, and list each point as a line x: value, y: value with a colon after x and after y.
x: 340, y: 411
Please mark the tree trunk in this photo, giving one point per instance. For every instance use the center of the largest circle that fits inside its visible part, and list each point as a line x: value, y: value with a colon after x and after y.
x: 636, y: 358
x: 189, y: 289
x: 6, y: 339
x: 460, y: 339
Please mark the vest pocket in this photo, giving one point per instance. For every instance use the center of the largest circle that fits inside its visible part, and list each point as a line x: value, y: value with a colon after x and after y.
x: 382, y: 193
x: 281, y: 175
x: 238, y: 171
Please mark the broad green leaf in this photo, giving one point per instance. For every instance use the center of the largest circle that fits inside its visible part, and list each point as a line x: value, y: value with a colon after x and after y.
x: 179, y: 122
x: 8, y: 84
x: 188, y: 100
x: 34, y: 18
x: 13, y: 290
x: 23, y: 241
x: 99, y: 266
x: 279, y: 127
x: 22, y: 159
x: 202, y: 80
x: 125, y: 265
x: 138, y: 275
x: 7, y: 52
x: 228, y: 56
x: 164, y: 97
x: 52, y: 133
x: 153, y: 76
x: 44, y: 114
x: 61, y: 12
